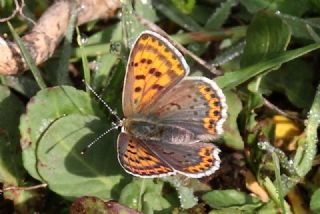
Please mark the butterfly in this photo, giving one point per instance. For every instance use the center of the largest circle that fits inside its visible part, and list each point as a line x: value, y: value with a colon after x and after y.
x: 169, y: 118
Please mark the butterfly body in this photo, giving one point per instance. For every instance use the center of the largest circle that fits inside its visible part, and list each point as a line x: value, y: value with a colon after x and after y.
x: 169, y: 117
x: 142, y: 128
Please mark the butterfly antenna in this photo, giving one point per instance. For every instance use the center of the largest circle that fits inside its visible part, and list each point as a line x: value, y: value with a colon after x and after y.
x: 115, y: 126
x: 103, y: 102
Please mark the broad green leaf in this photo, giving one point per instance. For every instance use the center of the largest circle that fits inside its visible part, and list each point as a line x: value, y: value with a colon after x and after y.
x: 185, y: 193
x: 266, y: 35
x: 294, y: 81
x: 42, y: 110
x: 315, y: 201
x: 62, y: 166
x: 232, y: 135
x: 228, y: 198
x: 294, y: 7
x: 233, y: 79
x: 145, y: 195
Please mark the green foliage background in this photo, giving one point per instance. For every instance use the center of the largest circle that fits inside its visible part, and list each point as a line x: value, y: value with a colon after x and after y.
x: 268, y: 53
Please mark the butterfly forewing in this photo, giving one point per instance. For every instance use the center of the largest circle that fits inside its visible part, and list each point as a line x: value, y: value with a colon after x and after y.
x: 195, y: 104
x: 154, y: 66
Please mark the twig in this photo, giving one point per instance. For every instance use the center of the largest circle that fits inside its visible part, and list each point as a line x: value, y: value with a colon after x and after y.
x: 281, y: 112
x: 13, y: 14
x: 18, y: 9
x: 185, y: 51
x: 15, y: 188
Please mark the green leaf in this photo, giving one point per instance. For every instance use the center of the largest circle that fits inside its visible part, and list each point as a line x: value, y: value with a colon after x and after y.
x: 294, y: 7
x: 228, y: 198
x: 274, y: 194
x: 107, y: 63
x: 62, y: 73
x: 233, y: 79
x: 316, y: 3
x: 23, y: 84
x: 176, y: 16
x: 315, y: 201
x: 268, y: 208
x: 11, y: 170
x: 85, y: 63
x: 186, y: 194
x: 131, y: 28
x: 307, y: 150
x: 145, y: 9
x: 266, y: 35
x: 103, y: 36
x: 145, y: 195
x: 42, y: 110
x: 254, y: 6
x: 293, y: 83
x: 232, y: 135
x: 218, y: 18
x: 185, y: 6
x: 300, y: 28
x: 278, y: 181
x: 64, y: 169
x: 12, y: 173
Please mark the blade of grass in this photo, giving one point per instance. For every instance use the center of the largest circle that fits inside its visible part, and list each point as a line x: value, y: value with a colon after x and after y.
x: 233, y: 79
x: 27, y: 56
x: 62, y: 72
x: 274, y: 194
x: 308, y: 150
x: 278, y: 181
x: 85, y: 63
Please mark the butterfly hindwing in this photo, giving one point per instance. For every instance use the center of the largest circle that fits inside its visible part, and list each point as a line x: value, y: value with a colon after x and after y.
x: 154, y: 66
x: 192, y: 159
x: 138, y: 160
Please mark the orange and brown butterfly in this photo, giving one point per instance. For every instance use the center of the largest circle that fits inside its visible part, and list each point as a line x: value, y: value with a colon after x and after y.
x: 170, y: 118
